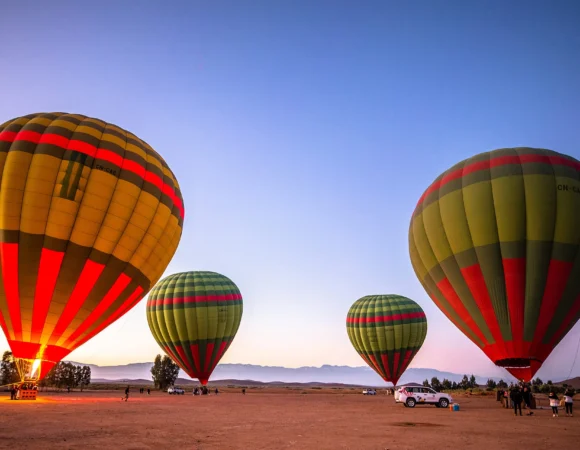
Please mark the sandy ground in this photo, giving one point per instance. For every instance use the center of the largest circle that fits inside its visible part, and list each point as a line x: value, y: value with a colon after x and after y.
x: 272, y: 419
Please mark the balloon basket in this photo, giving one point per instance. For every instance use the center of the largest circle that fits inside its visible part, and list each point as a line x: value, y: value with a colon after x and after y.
x: 27, y: 394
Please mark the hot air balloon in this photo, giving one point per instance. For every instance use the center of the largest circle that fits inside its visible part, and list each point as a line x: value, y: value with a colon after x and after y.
x: 494, y: 242
x: 387, y: 331
x: 194, y: 317
x: 90, y: 216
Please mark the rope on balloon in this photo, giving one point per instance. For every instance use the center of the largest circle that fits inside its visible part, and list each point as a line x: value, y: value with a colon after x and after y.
x: 576, y: 356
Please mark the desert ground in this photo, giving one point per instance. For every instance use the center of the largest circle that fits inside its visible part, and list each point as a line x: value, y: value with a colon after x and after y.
x: 272, y: 419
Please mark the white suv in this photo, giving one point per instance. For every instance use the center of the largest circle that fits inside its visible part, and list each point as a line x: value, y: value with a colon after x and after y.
x: 369, y: 392
x: 175, y: 391
x: 411, y: 395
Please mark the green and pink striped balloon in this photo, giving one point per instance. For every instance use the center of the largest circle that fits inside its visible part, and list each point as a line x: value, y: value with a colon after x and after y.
x: 387, y: 331
x: 194, y: 317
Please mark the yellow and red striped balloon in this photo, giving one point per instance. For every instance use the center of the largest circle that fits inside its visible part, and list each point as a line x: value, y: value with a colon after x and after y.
x: 90, y: 216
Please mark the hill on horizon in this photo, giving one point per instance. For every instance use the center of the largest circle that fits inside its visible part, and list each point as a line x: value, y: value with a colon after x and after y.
x: 326, y: 374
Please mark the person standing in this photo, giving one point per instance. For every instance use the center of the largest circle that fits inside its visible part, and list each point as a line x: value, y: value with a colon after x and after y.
x: 569, y: 401
x: 516, y: 398
x: 554, y: 403
x: 126, y: 394
x: 527, y: 396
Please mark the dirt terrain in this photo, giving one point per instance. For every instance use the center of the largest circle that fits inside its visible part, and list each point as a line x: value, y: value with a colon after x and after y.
x: 271, y: 419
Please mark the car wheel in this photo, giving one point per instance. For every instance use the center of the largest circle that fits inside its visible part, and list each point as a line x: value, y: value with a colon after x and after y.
x: 443, y: 403
x: 410, y: 402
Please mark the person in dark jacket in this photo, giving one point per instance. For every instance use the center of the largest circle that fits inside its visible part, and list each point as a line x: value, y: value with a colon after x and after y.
x: 126, y: 394
x: 517, y: 398
x: 569, y: 401
x: 527, y: 396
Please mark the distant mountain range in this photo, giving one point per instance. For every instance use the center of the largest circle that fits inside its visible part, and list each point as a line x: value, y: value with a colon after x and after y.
x: 326, y: 374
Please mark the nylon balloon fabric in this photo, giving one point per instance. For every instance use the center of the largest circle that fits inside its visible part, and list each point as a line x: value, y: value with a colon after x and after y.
x: 90, y: 216
x: 194, y: 317
x: 387, y: 331
x: 494, y: 241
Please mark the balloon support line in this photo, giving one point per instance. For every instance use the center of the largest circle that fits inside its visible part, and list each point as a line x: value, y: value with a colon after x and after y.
x: 576, y: 356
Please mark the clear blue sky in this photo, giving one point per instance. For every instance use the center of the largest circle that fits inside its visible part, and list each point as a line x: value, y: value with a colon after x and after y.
x: 302, y: 134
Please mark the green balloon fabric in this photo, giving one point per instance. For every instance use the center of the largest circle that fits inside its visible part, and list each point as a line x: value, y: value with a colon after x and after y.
x: 495, y: 242
x: 387, y: 331
x: 194, y: 317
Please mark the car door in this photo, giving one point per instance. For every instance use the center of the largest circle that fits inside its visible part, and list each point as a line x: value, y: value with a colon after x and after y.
x: 430, y: 395
x: 418, y: 394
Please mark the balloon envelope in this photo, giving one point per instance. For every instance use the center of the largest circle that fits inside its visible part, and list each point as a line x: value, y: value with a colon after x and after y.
x: 387, y: 331
x: 494, y: 241
x: 194, y: 317
x: 90, y: 216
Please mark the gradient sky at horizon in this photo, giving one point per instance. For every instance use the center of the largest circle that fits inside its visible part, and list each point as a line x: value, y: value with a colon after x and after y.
x: 302, y: 134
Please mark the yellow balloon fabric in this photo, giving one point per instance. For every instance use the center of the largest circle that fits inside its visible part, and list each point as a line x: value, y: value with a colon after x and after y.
x: 90, y: 216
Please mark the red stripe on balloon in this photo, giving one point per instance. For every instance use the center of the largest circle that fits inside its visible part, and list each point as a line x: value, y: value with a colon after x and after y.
x: 376, y: 365
x: 514, y: 270
x: 181, y: 353
x: 385, y: 361
x: 396, y: 370
x: 406, y: 361
x: 558, y: 274
x: 195, y: 355
x: 393, y: 317
x: 99, y: 153
x: 497, y: 162
x: 208, y: 354
x: 113, y: 294
x: 87, y: 279
x: 174, y: 357
x: 473, y: 277
x: 196, y: 299
x: 131, y: 301
x: 220, y: 352
x: 48, y: 270
x: 451, y: 296
x: 9, y: 258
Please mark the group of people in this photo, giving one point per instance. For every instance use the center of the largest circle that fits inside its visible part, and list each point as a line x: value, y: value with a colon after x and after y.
x: 568, y: 402
x: 204, y: 391
x: 197, y: 391
x: 522, y: 393
x: 16, y: 389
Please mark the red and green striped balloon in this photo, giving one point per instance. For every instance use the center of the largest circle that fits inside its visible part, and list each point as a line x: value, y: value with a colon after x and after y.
x: 194, y: 317
x: 387, y: 331
x: 495, y: 242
